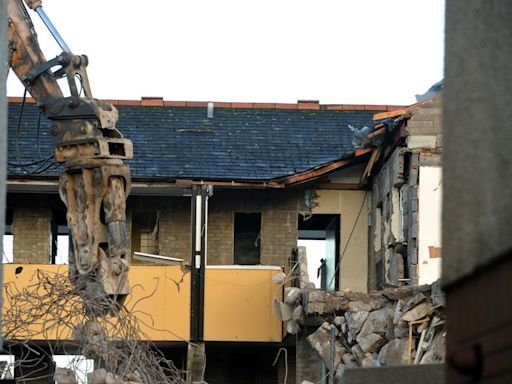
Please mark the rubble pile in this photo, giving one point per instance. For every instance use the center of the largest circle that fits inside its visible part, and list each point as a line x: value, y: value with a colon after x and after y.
x: 395, y: 326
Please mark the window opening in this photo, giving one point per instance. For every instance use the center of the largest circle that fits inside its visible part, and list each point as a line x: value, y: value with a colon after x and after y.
x: 60, y: 238
x: 247, y: 238
x: 8, y: 240
x: 7, y: 367
x: 77, y: 363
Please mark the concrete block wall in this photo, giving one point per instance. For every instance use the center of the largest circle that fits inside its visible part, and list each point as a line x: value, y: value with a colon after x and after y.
x: 424, y: 128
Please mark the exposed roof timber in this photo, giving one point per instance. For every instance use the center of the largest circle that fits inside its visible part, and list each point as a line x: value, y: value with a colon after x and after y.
x: 369, y: 166
x: 322, y: 170
x: 401, y: 111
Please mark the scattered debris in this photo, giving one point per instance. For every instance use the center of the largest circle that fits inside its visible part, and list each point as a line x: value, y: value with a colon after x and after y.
x: 396, y: 326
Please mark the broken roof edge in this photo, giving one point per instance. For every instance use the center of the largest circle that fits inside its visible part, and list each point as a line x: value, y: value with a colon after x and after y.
x: 404, y: 110
x: 312, y: 174
x: 300, y: 105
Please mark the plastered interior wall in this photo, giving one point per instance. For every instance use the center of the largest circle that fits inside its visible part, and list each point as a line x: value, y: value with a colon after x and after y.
x: 352, y: 206
x: 429, y: 240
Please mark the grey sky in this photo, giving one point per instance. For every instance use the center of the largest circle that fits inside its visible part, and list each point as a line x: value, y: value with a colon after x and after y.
x: 344, y: 51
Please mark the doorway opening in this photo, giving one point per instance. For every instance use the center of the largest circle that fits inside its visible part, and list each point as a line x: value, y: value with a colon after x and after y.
x: 320, y: 235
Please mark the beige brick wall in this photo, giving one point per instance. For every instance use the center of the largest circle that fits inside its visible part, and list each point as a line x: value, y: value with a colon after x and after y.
x: 174, y: 229
x: 220, y: 235
x: 279, y: 213
x: 279, y: 216
x: 31, y: 228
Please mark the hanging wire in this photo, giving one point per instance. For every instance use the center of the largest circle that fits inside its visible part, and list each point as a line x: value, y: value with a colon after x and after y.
x: 18, y: 128
x: 348, y: 240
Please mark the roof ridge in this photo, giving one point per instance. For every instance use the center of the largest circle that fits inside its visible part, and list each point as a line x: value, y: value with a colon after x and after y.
x: 301, y: 105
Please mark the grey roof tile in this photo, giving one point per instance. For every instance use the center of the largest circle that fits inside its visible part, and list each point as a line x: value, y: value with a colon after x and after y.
x: 236, y: 144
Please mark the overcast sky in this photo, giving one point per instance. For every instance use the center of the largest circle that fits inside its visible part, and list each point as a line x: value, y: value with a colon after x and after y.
x: 335, y: 51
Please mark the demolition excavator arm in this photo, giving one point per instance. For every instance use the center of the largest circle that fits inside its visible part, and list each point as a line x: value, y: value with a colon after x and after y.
x: 95, y: 182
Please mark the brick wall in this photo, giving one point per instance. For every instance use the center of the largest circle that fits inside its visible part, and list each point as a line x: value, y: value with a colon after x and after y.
x: 174, y: 228
x: 279, y: 217
x: 31, y: 230
x: 31, y: 226
x: 220, y: 234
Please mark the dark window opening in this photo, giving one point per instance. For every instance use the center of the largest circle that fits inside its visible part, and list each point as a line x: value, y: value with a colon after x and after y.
x: 320, y: 234
x: 247, y: 238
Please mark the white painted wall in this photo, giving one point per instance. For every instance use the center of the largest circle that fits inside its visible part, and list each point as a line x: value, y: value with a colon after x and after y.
x: 429, y: 223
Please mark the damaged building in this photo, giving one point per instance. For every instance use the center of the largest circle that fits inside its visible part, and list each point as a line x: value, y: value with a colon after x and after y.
x: 223, y: 194
x: 224, y: 191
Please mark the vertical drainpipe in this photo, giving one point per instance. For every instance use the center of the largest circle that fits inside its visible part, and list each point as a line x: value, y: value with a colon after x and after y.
x: 199, y: 221
x: 3, y: 136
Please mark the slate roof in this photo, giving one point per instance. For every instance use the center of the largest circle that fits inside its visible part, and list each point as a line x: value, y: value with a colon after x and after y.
x: 242, y: 144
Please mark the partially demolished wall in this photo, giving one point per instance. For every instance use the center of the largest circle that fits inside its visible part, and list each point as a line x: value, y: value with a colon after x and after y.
x: 395, y: 212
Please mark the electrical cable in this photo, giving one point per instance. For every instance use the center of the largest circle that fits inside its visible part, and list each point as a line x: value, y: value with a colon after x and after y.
x: 20, y: 118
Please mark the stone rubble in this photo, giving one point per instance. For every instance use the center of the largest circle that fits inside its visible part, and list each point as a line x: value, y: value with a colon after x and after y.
x: 371, y: 329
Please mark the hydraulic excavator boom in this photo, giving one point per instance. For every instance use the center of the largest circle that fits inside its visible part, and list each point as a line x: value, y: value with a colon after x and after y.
x: 95, y: 182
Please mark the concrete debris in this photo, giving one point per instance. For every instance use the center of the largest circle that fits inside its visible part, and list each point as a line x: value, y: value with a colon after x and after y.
x: 349, y: 360
x: 379, y: 322
x: 292, y: 327
x: 370, y: 360
x: 372, y: 329
x: 418, y: 312
x: 64, y: 376
x: 279, y: 278
x: 395, y: 352
x: 339, y: 321
x: 284, y: 312
x: 437, y: 294
x: 298, y: 314
x: 320, y: 341
x: 101, y: 376
x: 414, y: 301
x: 355, y: 321
x: 370, y: 343
x: 436, y: 352
x: 292, y: 295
